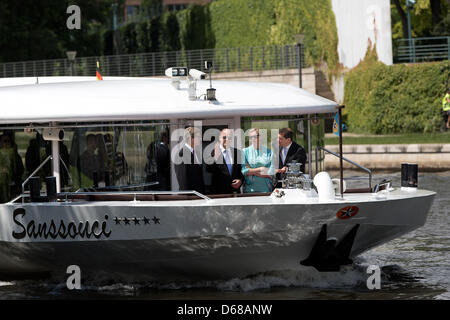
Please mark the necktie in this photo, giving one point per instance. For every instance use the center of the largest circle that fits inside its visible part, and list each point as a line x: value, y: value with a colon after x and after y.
x: 227, y: 160
x: 284, y: 154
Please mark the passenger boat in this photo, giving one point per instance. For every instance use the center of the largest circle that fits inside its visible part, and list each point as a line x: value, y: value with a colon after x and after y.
x: 120, y: 227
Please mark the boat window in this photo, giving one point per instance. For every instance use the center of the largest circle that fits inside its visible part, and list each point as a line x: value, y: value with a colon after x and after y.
x: 11, y: 164
x: 108, y: 157
x: 21, y: 153
x: 121, y: 158
x: 299, y: 126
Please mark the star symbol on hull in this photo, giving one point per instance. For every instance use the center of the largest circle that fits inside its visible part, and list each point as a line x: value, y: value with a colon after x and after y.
x: 347, y: 213
x: 136, y: 220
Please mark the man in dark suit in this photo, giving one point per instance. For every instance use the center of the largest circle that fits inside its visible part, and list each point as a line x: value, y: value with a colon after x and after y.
x: 226, y: 172
x: 189, y: 172
x: 289, y: 151
x: 157, y: 167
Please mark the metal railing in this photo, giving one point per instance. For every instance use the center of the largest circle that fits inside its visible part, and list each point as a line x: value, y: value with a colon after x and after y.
x: 136, y: 193
x: 155, y: 63
x: 422, y: 49
x: 349, y: 161
x: 32, y: 175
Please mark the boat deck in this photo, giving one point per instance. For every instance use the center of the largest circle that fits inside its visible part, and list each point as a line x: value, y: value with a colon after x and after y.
x: 292, y: 196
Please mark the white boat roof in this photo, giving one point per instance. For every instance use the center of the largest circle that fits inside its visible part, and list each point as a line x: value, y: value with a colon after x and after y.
x: 75, y: 99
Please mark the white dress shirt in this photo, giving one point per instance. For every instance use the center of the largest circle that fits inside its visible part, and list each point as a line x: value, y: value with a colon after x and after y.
x: 196, y: 161
x: 284, y: 152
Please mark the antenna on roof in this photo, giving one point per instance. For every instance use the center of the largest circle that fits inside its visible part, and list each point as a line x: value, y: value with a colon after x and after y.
x: 211, y: 92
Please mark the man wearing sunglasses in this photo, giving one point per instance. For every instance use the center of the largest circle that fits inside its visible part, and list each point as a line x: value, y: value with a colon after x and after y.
x: 226, y: 172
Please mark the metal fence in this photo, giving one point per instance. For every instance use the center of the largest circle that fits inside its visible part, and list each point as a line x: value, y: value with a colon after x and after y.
x: 155, y: 63
x: 422, y: 49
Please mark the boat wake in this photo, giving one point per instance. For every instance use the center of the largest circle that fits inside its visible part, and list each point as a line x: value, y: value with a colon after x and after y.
x: 352, y: 277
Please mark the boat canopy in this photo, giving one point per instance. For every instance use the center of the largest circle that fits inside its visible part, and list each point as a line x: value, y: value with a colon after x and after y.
x: 81, y: 99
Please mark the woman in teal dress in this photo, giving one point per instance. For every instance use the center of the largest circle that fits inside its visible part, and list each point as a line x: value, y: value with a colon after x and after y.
x: 257, y: 165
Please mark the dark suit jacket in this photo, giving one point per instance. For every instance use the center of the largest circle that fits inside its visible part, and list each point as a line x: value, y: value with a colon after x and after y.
x: 221, y: 178
x: 189, y: 175
x: 296, y: 153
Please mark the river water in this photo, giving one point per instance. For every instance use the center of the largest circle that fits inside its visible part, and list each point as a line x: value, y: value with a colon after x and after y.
x: 415, y: 266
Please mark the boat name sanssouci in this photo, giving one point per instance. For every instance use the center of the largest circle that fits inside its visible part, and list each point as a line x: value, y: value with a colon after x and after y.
x: 54, y: 230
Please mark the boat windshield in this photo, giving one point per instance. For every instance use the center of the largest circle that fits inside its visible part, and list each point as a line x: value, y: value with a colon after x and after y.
x: 133, y: 156
x: 103, y: 157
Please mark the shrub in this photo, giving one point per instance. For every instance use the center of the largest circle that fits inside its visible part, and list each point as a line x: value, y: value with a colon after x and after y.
x: 195, y: 28
x: 399, y: 98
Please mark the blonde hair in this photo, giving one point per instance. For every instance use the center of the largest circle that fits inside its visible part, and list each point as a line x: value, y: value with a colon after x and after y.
x: 253, y: 129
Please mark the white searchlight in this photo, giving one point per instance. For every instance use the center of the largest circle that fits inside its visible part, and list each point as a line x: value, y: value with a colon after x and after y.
x: 176, y: 73
x: 197, y: 74
x: 53, y: 134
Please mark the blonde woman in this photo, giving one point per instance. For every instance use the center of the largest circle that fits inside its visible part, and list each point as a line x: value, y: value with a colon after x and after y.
x: 257, y: 165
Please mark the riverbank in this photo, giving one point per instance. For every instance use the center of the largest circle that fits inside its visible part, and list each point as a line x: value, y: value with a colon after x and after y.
x: 429, y: 157
x: 405, y: 138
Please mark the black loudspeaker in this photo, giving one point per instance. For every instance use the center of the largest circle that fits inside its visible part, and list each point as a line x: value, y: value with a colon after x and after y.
x: 410, y: 175
x: 404, y: 174
x: 50, y: 183
x: 35, y: 189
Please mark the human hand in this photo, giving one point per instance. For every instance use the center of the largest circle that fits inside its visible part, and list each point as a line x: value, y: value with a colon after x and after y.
x: 262, y: 171
x: 236, y: 183
x: 282, y: 170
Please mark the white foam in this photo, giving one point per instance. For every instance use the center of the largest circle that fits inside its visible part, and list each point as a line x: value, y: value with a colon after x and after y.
x: 308, y: 277
x: 4, y: 284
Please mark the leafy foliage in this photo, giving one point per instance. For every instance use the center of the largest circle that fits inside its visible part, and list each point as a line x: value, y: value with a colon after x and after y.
x: 239, y: 23
x: 170, y: 33
x: 242, y: 23
x: 399, y: 98
x: 422, y: 24
x: 197, y: 33
x: 32, y: 30
x: 314, y: 19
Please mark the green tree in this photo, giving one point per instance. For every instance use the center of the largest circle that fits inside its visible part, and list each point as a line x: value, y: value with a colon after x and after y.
x: 150, y: 9
x: 32, y: 30
x: 128, y: 38
x: 238, y: 23
x: 427, y: 18
x: 155, y: 34
x: 198, y: 34
x: 314, y: 19
x: 143, y: 39
x: 170, y: 33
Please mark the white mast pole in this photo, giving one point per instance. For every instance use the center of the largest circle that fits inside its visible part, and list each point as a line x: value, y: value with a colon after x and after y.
x: 55, y: 161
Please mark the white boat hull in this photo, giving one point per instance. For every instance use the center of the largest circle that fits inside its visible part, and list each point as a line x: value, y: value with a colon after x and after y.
x: 196, y: 239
